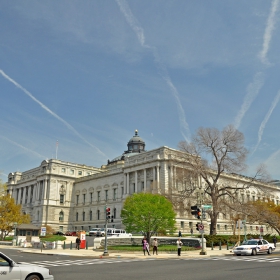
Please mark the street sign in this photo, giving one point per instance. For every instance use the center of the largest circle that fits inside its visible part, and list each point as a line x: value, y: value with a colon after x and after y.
x: 201, y: 231
x: 207, y: 207
x: 43, y: 231
x: 201, y: 226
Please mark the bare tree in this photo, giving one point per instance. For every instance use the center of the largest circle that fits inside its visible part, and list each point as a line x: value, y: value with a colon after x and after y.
x: 215, y: 157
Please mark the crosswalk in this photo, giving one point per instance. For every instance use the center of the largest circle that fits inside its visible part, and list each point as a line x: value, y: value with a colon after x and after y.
x: 241, y: 258
x: 84, y: 262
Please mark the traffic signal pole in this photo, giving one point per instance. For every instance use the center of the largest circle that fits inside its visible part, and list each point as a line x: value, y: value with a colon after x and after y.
x: 105, y: 253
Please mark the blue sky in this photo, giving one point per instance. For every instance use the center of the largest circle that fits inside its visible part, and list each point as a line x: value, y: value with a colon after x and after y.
x: 88, y: 73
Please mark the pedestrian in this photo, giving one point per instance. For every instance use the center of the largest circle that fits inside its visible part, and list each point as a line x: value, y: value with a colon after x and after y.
x: 155, y: 245
x: 145, y: 246
x: 274, y: 241
x: 78, y: 242
x: 191, y: 231
x: 180, y: 234
x: 179, y: 246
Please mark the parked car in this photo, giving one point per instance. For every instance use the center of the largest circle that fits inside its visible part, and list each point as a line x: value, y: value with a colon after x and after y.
x: 58, y: 233
x: 71, y: 233
x: 93, y: 231
x: 12, y: 270
x: 253, y: 247
x: 100, y: 232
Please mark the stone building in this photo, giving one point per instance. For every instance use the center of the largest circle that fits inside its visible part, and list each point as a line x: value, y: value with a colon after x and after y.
x: 69, y: 196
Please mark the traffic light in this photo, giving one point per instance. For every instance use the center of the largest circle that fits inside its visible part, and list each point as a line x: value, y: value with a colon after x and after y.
x: 194, y: 210
x: 198, y: 213
x: 203, y: 214
x: 197, y: 226
x: 108, y: 213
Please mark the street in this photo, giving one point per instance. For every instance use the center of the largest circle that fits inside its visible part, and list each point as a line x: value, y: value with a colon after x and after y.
x: 223, y: 267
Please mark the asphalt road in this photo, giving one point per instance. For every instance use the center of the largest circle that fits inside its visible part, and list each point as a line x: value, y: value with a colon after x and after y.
x: 230, y: 267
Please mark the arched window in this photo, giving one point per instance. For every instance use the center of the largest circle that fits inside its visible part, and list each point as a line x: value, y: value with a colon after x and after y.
x: 61, y: 216
x: 77, y: 216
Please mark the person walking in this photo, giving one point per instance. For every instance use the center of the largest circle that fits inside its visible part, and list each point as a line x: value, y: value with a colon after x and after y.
x: 155, y: 245
x: 191, y: 232
x: 179, y: 246
x: 274, y: 241
x: 78, y: 242
x: 180, y: 234
x: 145, y: 246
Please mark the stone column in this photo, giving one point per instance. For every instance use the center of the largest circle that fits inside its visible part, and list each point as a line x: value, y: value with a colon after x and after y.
x: 158, y: 177
x: 145, y: 180
x: 29, y: 194
x: 19, y: 196
x: 136, y: 179
x: 23, y: 195
x: 124, y: 183
x: 127, y: 183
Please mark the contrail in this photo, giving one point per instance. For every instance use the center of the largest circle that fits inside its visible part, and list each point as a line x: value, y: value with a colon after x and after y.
x: 263, y: 124
x: 268, y: 31
x: 252, y: 91
x: 132, y: 21
x: 48, y: 110
x: 254, y: 88
x: 26, y: 149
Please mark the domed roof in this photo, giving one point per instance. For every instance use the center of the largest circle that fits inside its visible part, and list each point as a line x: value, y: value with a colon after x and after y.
x: 135, y: 146
x: 136, y: 138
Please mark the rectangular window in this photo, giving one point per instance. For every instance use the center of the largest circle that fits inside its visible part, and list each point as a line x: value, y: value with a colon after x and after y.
x: 182, y: 224
x: 134, y: 189
x: 90, y: 197
x: 77, y: 199
x: 84, y: 198
x: 106, y: 195
x: 88, y: 173
x: 90, y: 215
x: 253, y: 198
x: 218, y: 227
x: 80, y: 173
x: 61, y: 200
x: 114, y: 194
x: 248, y: 197
x: 72, y: 172
x: 142, y: 186
x: 98, y: 196
x: 122, y: 190
x: 98, y: 215
x: 225, y: 227
x: 63, y: 170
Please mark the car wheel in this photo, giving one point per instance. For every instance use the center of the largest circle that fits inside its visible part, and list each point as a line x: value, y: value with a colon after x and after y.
x: 254, y: 252
x: 269, y: 251
x: 33, y: 277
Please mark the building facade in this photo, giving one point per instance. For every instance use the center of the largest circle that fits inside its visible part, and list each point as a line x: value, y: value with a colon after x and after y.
x: 68, y: 196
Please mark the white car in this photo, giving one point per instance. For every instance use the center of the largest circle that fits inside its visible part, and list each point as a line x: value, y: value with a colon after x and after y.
x: 93, y: 231
x: 253, y: 247
x: 10, y: 270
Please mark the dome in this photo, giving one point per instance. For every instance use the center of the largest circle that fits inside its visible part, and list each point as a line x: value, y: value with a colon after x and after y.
x: 135, y: 146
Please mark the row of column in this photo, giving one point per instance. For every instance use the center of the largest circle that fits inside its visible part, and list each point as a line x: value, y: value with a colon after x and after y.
x: 39, y: 191
x: 128, y: 174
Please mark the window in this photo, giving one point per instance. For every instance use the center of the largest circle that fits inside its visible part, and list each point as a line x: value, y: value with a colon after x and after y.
x: 182, y: 224
x: 90, y: 215
x: 134, y: 189
x: 115, y: 213
x: 98, y: 196
x: 98, y: 214
x: 26, y: 195
x: 77, y: 216
x: 84, y: 216
x: 63, y: 170
x: 84, y: 198
x: 91, y: 195
x: 225, y: 227
x: 248, y: 197
x: 88, y: 173
x: 72, y: 172
x: 106, y: 195
x: 122, y: 190
x: 253, y: 198
x: 142, y: 186
x: 114, y: 194
x: 80, y: 173
x: 61, y: 216
x: 61, y: 199
x: 218, y: 227
x: 242, y: 198
x: 77, y: 199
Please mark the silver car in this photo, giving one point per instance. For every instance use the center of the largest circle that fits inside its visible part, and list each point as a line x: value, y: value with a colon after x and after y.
x: 10, y: 270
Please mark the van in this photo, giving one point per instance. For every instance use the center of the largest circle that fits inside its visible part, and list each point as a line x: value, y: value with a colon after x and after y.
x: 115, y: 232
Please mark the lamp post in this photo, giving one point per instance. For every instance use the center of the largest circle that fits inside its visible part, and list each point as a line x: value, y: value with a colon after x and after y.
x: 15, y: 231
x: 200, y: 196
x: 105, y: 253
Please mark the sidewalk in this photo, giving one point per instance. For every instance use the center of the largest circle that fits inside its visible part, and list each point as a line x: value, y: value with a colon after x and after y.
x: 92, y: 253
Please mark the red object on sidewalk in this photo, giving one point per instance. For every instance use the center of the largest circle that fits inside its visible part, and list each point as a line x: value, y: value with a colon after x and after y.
x: 83, y: 240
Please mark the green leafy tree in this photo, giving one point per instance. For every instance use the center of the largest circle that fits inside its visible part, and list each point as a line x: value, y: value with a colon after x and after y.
x: 10, y: 213
x: 148, y: 213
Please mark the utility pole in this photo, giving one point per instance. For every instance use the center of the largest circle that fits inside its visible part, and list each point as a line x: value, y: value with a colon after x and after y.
x: 107, y: 214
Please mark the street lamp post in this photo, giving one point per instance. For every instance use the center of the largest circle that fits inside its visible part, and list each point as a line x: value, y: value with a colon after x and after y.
x: 200, y: 196
x: 105, y: 253
x: 15, y: 232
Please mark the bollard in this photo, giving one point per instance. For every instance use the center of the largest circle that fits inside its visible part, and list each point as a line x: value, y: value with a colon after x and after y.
x: 220, y: 245
x: 64, y: 245
x: 227, y: 245
x: 86, y: 245
x: 212, y: 246
x: 71, y: 245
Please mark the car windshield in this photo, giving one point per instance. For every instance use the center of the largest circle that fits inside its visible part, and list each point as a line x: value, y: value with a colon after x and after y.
x: 250, y: 242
